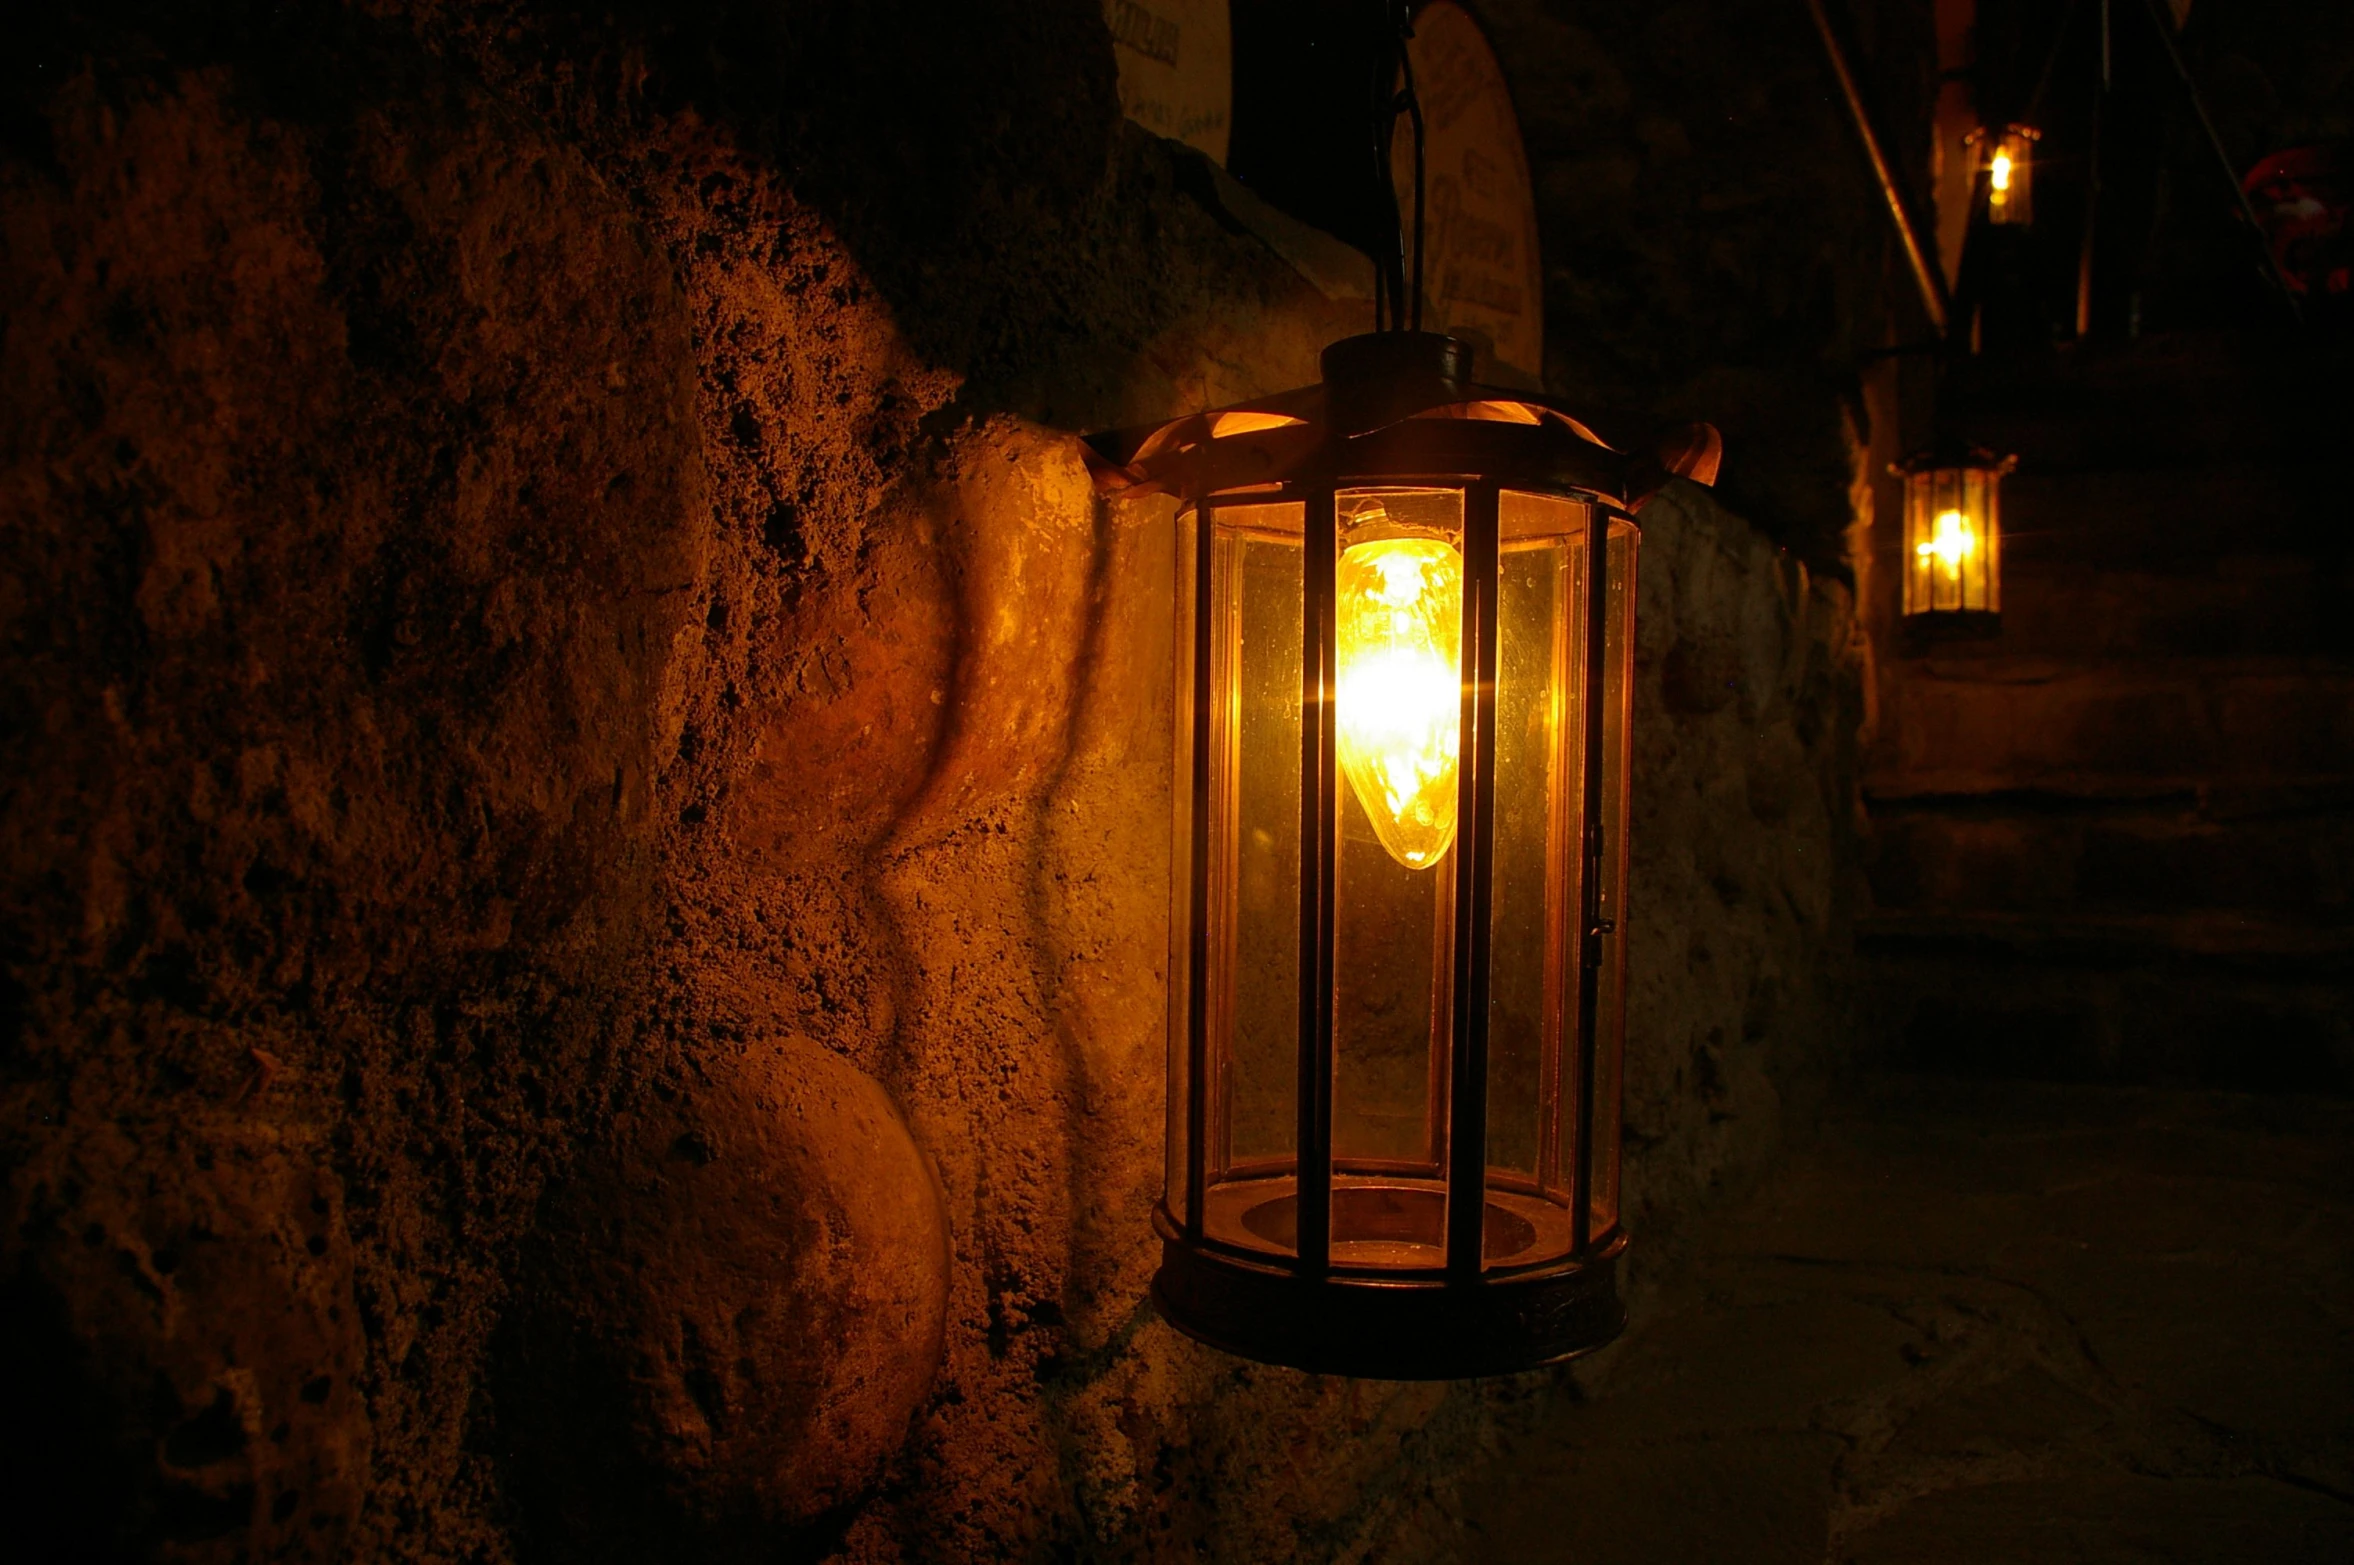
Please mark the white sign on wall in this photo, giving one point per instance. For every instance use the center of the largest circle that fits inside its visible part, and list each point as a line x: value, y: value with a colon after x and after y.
x: 1176, y: 61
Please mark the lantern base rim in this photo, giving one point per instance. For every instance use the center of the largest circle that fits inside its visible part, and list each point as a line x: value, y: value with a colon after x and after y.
x: 1409, y: 1328
x: 1924, y: 628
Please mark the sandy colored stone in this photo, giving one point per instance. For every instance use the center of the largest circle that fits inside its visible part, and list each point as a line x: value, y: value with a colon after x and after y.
x: 350, y: 505
x: 182, y: 1334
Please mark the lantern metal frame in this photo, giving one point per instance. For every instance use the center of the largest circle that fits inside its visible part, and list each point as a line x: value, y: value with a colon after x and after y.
x: 1395, y: 409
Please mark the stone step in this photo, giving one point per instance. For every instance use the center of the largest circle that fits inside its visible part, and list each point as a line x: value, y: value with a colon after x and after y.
x: 2148, y: 518
x: 2115, y: 841
x: 2239, y: 941
x: 2278, y: 605
x: 2167, y: 855
x: 2224, y: 1000
x: 1964, y: 725
x: 2173, y: 401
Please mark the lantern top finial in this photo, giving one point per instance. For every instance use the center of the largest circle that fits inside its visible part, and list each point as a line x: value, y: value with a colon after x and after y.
x: 1398, y: 355
x: 1380, y: 377
x: 1951, y: 451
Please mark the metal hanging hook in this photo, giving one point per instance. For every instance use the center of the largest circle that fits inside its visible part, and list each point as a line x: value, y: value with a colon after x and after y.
x: 1397, y: 304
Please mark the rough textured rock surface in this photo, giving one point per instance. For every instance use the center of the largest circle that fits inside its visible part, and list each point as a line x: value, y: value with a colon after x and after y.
x: 195, y: 1339
x: 719, y: 1336
x: 1744, y: 839
x: 543, y: 555
x: 351, y: 490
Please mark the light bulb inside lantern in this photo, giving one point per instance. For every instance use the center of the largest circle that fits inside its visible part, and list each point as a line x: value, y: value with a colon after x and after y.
x: 1399, y: 725
x: 1951, y: 543
x: 2000, y: 172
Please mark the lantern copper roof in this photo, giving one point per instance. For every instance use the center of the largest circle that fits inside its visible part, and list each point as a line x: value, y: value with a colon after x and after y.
x: 1401, y: 387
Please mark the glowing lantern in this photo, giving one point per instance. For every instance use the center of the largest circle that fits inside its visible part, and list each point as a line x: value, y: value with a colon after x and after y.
x: 2010, y: 168
x: 1405, y: 630
x: 1953, y: 533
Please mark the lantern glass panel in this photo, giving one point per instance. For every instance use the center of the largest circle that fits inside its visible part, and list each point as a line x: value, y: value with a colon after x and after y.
x: 1617, y: 697
x: 1253, y: 903
x: 1399, y: 606
x: 1539, y: 809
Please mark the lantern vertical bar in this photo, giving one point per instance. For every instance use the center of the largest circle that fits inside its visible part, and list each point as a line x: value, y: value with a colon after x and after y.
x: 1940, y: 502
x: 1589, y: 929
x: 1445, y: 898
x: 1920, y: 581
x: 1924, y: 554
x: 1957, y: 503
x: 1197, y: 977
x: 1974, y: 514
x: 1954, y: 566
x: 1994, y: 541
x: 1319, y: 831
x: 1467, y: 1137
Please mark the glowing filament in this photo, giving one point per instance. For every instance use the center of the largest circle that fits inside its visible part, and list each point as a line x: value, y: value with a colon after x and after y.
x: 1952, y: 543
x: 2000, y: 173
x: 1399, y: 724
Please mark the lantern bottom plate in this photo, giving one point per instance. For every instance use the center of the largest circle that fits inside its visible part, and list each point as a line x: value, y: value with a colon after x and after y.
x: 1925, y: 628
x: 1422, y: 1328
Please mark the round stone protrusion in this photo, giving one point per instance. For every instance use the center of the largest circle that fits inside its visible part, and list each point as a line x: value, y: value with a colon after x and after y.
x: 731, y: 1318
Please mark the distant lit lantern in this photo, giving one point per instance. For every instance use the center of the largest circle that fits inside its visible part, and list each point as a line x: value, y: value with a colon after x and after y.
x: 2009, y: 168
x: 1953, y: 533
x: 1405, y: 632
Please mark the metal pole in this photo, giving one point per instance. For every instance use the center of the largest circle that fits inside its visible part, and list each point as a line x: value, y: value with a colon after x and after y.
x: 1202, y: 831
x: 2092, y: 172
x: 2033, y: 114
x: 1475, y: 837
x: 1925, y: 274
x: 1319, y: 841
x: 1589, y: 929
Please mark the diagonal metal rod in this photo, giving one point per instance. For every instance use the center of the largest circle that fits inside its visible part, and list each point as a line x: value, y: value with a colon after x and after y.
x: 1934, y: 301
x: 2033, y: 113
x: 2088, y: 237
x: 2164, y: 26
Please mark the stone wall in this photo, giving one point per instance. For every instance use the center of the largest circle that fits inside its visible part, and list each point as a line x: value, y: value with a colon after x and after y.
x: 585, y: 853
x: 1746, y: 841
